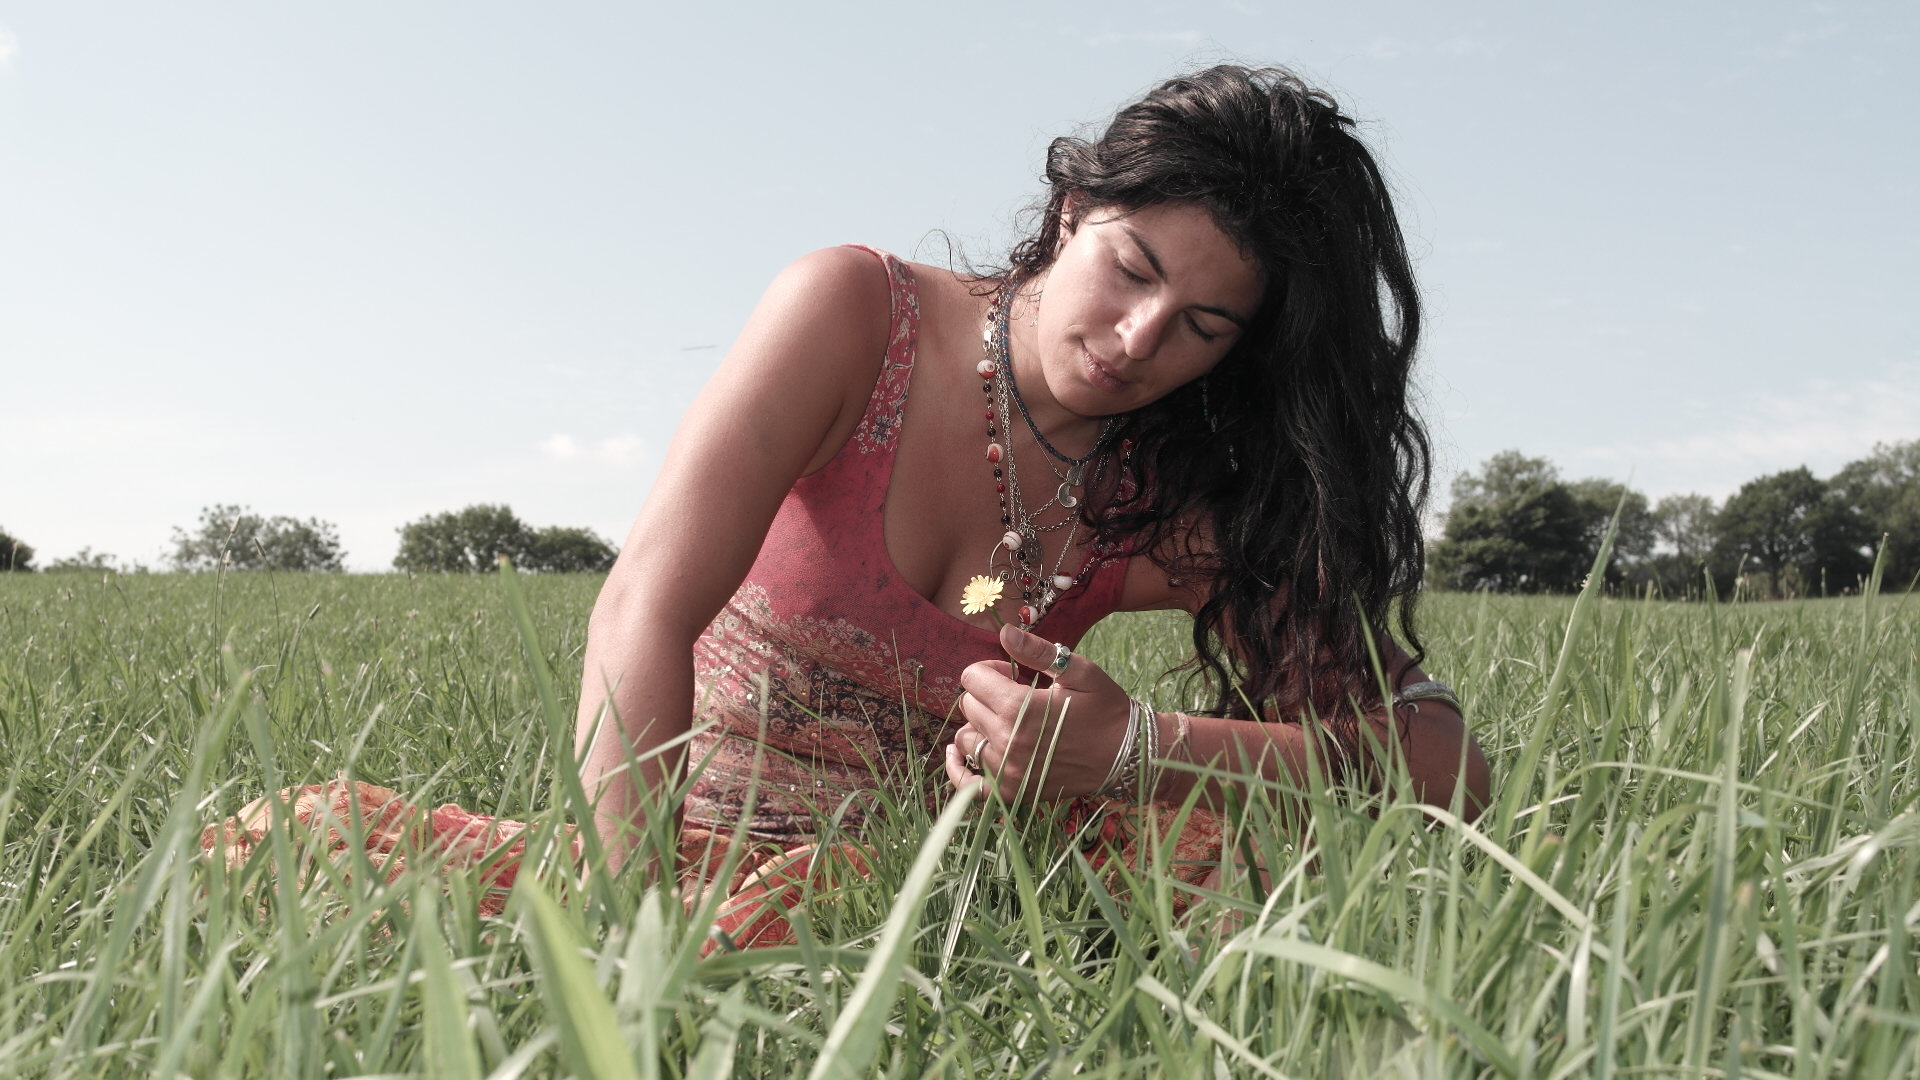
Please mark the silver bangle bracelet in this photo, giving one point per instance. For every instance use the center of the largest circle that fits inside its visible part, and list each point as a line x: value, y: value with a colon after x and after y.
x: 1139, y: 751
x: 1115, y: 781
x: 1149, y: 750
x: 1414, y: 693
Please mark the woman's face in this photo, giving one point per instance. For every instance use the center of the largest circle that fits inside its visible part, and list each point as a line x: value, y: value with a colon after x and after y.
x: 1138, y: 304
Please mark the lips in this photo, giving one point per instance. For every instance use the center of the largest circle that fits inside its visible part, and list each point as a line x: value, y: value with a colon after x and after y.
x: 1100, y: 373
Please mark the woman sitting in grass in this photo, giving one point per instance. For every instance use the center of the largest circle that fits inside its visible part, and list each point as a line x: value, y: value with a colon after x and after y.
x: 1188, y: 389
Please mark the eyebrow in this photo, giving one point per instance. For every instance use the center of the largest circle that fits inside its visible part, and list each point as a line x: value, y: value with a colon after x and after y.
x: 1153, y: 259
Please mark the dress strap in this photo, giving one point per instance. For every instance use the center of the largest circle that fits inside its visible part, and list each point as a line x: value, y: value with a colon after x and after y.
x: 880, y: 426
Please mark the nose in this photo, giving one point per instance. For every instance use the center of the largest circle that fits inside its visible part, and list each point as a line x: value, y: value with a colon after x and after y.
x: 1142, y: 327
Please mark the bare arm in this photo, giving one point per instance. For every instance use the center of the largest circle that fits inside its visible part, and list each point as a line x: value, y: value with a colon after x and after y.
x: 779, y: 407
x: 1028, y: 759
x: 1440, y: 753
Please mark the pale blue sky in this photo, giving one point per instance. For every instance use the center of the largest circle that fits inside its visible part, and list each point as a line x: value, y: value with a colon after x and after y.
x: 366, y: 261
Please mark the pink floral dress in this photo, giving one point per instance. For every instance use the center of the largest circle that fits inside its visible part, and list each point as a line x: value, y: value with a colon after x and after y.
x: 825, y: 666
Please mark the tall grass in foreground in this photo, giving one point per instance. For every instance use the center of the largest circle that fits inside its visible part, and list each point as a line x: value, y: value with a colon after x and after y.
x: 1701, y: 863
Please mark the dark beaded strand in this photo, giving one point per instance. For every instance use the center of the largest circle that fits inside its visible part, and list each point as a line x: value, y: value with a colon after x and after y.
x: 997, y: 368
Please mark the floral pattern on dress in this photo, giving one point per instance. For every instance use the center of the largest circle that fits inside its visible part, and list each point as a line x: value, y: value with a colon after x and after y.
x: 880, y: 424
x: 842, y: 713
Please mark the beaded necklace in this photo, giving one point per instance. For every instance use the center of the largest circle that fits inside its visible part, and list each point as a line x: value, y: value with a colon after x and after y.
x: 1026, y: 554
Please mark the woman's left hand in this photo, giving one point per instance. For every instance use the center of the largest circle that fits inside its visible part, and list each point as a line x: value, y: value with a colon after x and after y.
x: 1037, y: 743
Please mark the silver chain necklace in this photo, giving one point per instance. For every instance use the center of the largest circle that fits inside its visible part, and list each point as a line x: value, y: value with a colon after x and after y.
x: 1025, y: 565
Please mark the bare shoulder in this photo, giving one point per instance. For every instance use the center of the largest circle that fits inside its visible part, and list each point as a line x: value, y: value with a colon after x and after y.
x: 840, y: 297
x: 1168, y: 578
x: 808, y: 356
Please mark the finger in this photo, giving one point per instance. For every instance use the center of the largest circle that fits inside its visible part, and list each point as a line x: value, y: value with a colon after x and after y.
x: 977, y: 745
x: 992, y: 700
x: 1038, y: 653
x: 957, y: 772
x: 1022, y: 719
x: 968, y: 740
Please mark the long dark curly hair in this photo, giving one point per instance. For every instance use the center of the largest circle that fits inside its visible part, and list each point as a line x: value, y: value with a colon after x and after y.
x: 1299, y: 458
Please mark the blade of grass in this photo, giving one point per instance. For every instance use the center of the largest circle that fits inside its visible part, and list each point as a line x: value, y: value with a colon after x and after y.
x: 1400, y: 987
x: 589, y: 1035
x: 449, y: 1050
x: 855, y: 1038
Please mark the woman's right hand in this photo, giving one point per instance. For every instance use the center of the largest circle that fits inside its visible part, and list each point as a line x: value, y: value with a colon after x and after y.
x: 1038, y: 743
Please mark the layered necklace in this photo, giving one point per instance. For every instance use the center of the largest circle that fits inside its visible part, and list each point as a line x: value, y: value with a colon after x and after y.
x: 1024, y: 562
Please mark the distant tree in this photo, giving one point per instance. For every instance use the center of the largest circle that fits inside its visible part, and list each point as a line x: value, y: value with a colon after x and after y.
x: 561, y: 550
x: 1684, y: 523
x: 1884, y: 490
x: 14, y: 553
x: 1633, y: 538
x: 1683, y: 532
x: 85, y: 559
x: 470, y: 540
x: 238, y: 538
x: 1791, y: 528
x: 1514, y: 527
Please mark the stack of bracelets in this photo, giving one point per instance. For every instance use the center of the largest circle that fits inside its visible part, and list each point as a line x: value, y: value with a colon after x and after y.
x: 1135, y: 773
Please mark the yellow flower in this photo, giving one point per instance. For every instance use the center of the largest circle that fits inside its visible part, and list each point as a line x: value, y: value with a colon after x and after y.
x: 980, y: 595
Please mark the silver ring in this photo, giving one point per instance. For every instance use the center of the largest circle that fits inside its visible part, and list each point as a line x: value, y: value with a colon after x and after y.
x: 1061, y: 656
x: 971, y: 759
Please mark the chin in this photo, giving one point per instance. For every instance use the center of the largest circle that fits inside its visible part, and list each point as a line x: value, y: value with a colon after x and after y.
x: 1083, y: 398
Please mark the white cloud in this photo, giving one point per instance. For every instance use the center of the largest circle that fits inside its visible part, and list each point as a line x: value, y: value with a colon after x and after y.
x: 623, y: 449
x: 561, y: 448
x: 9, y: 47
x: 1823, y: 425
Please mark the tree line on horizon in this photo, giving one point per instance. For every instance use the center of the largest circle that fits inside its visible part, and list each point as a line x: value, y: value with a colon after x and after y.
x: 470, y: 540
x: 1517, y: 526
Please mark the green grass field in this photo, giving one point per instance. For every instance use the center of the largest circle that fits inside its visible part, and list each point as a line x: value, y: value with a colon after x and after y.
x: 1701, y: 863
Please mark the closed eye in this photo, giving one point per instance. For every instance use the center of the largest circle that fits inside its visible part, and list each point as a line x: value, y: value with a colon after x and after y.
x: 1204, y: 336
x: 1130, y: 275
